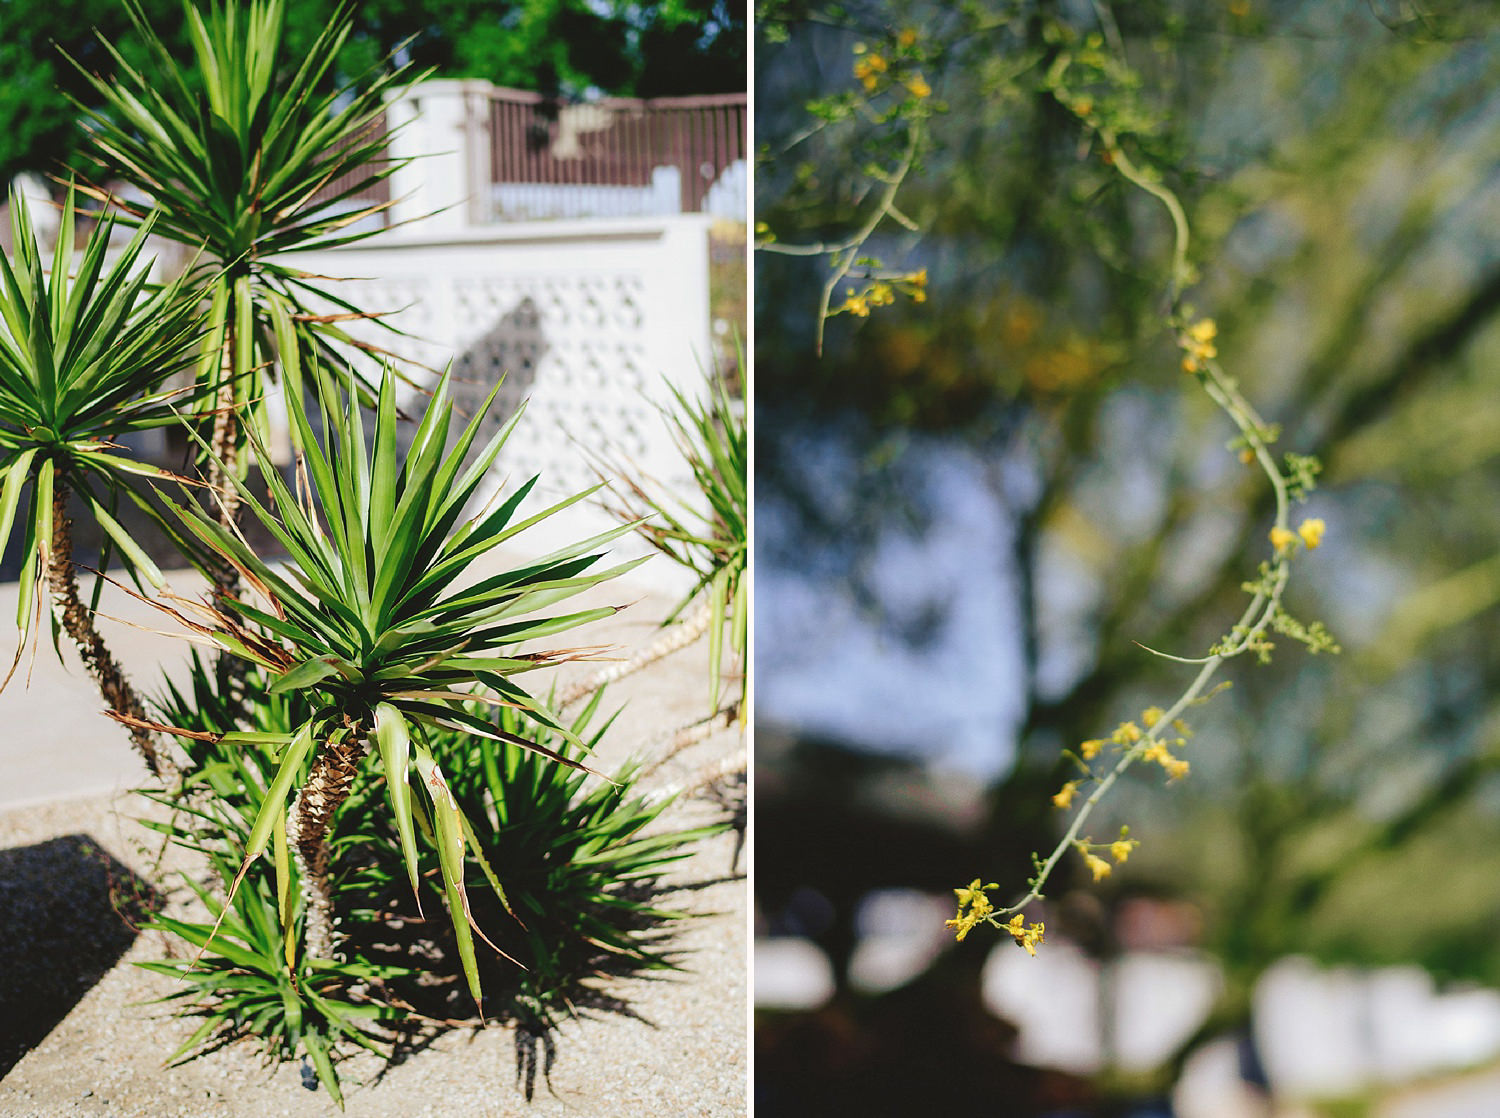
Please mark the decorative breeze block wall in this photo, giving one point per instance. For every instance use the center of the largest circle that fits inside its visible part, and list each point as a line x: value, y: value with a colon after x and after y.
x: 588, y: 320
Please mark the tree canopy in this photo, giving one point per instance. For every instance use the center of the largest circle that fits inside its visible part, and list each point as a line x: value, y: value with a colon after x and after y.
x: 563, y: 47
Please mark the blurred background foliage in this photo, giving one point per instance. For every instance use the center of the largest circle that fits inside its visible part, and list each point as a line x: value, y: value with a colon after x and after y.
x: 1338, y: 163
x: 561, y: 47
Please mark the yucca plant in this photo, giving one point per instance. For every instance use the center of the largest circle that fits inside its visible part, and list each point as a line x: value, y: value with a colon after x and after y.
x: 250, y: 975
x: 84, y: 358
x: 377, y: 618
x: 234, y: 157
x: 582, y: 860
x: 710, y: 538
x: 579, y: 871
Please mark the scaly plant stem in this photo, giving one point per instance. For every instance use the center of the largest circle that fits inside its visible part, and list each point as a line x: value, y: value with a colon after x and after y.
x: 75, y: 619
x: 223, y: 465
x: 673, y: 640
x: 670, y: 744
x: 328, y: 786
x: 224, y: 461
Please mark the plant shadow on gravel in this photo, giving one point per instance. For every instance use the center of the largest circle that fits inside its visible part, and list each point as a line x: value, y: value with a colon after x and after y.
x: 69, y: 911
x: 582, y: 983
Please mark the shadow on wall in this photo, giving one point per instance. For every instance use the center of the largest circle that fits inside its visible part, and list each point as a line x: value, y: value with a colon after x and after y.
x: 69, y: 911
x: 512, y: 348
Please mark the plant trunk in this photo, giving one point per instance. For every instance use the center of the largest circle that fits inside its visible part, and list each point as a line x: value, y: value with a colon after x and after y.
x: 75, y: 619
x: 327, y: 787
x: 678, y: 637
x: 224, y: 462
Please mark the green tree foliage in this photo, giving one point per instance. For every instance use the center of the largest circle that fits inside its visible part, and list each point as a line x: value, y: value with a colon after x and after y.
x: 567, y: 47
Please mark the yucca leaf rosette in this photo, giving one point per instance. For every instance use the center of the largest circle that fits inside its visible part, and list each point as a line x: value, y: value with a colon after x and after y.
x: 386, y: 616
x: 87, y: 348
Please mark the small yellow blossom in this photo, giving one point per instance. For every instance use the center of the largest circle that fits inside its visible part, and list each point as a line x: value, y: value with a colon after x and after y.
x: 907, y: 36
x: 1065, y: 797
x: 1247, y: 456
x: 868, y: 69
x: 1151, y: 716
x: 919, y: 87
x: 1281, y: 538
x: 855, y: 304
x: 1121, y: 848
x: 1100, y: 867
x: 1312, y: 531
x: 1126, y: 733
x: 1176, y: 768
x: 1083, y: 106
x: 973, y: 892
x: 1024, y: 936
x: 1156, y: 754
x: 1198, y: 344
x: 979, y: 908
x: 1090, y: 749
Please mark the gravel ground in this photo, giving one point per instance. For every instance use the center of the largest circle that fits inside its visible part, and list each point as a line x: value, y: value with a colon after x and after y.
x: 72, y: 1003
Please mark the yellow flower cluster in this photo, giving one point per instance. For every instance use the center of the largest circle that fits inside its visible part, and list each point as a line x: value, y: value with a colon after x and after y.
x: 868, y: 68
x: 1197, y: 343
x: 978, y: 908
x: 858, y: 303
x: 918, y: 86
x: 974, y: 908
x: 1024, y: 936
x: 1158, y: 752
x: 882, y: 293
x: 1310, y: 532
x: 1064, y: 798
x: 1119, y: 850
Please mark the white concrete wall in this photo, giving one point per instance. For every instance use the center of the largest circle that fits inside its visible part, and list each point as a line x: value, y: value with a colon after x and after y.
x: 587, y: 320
